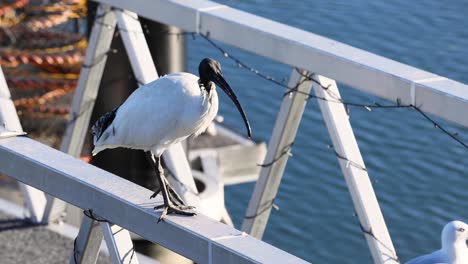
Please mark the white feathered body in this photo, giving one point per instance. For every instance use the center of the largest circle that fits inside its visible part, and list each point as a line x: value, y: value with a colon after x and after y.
x: 436, y: 257
x: 443, y: 257
x: 158, y: 114
x: 454, y: 249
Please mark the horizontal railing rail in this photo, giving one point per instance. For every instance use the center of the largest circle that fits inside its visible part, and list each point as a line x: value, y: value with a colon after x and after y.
x: 357, y: 68
x: 128, y: 205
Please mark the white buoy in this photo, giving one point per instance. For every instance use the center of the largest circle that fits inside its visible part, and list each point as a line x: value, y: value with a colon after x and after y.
x: 454, y: 249
x: 165, y: 112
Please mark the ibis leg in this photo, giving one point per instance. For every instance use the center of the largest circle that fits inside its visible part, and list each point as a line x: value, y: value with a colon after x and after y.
x: 171, y: 204
x: 173, y: 196
x: 162, y: 184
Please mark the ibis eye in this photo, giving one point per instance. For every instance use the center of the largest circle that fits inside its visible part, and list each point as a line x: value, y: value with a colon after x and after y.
x: 461, y: 229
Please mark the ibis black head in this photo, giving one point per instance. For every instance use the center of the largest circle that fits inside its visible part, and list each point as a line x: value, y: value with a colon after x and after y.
x: 210, y: 71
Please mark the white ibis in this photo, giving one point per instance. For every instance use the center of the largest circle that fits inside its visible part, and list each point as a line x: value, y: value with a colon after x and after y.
x: 453, y: 251
x: 165, y: 112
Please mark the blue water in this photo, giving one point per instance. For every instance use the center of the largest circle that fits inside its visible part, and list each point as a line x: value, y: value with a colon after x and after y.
x: 419, y: 174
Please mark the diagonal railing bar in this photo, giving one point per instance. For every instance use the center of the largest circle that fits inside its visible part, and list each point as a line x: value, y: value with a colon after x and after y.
x: 352, y: 165
x: 284, y: 133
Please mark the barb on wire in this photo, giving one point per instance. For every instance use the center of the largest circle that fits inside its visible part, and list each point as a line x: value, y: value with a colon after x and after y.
x: 348, y: 161
x: 131, y: 256
x: 268, y: 205
x: 335, y: 98
x: 371, y: 234
x: 99, y: 58
x: 286, y: 151
x: 240, y: 63
x: 437, y: 125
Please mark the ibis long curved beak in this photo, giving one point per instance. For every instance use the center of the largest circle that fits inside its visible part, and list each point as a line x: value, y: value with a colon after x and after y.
x: 219, y: 80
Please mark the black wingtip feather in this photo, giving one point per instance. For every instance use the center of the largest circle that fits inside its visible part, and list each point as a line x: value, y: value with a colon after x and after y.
x: 103, y: 123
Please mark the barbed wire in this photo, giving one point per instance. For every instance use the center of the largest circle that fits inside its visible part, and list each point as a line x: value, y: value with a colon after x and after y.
x: 306, y: 77
x: 286, y: 151
x: 294, y: 89
x: 90, y: 214
x: 268, y: 204
x: 373, y: 236
x: 336, y: 98
x: 348, y: 162
x: 289, y: 89
x: 99, y: 58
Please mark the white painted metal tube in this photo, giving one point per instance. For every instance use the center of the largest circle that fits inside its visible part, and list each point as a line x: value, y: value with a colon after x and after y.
x: 284, y: 133
x: 356, y: 176
x: 127, y: 205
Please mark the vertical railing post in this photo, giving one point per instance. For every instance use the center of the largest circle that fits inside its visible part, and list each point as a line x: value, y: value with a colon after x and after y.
x: 279, y: 146
x: 354, y: 170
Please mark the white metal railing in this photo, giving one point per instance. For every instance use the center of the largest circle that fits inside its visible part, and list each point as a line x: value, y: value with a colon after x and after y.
x: 66, y: 178
x: 127, y: 205
x: 368, y: 72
